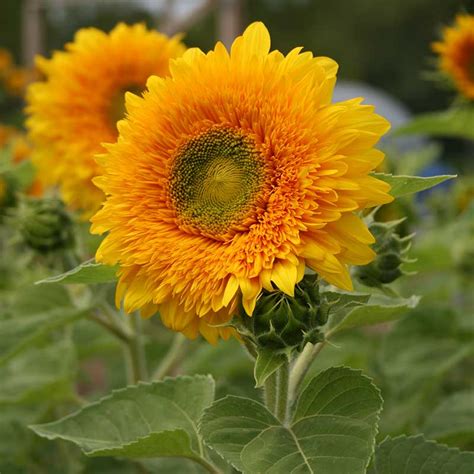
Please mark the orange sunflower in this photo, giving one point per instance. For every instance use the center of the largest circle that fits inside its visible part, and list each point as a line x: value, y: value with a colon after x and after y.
x: 456, y: 52
x: 77, y: 106
x: 230, y: 177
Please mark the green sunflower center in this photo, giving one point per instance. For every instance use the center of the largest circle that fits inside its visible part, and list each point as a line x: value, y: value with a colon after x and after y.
x: 117, y: 103
x: 215, y: 179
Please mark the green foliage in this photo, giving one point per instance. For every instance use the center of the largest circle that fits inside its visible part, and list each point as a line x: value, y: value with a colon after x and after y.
x: 332, y: 429
x: 31, y: 322
x: 146, y: 420
x: 87, y: 273
x: 456, y: 122
x: 41, y: 373
x: 415, y: 455
x: 421, y: 348
x: 404, y: 185
x: 379, y: 309
x: 452, y: 421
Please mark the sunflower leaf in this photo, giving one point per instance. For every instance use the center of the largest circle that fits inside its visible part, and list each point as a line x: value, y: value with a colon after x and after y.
x: 141, y: 421
x: 451, y: 421
x: 18, y: 335
x: 87, y: 273
x: 41, y: 373
x: 332, y: 430
x: 404, y: 185
x: 266, y: 364
x: 33, y: 316
x: 379, y: 309
x: 415, y: 455
x: 457, y: 122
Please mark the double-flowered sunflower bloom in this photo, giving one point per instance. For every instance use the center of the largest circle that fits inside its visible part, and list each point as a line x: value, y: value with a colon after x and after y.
x: 230, y: 177
x: 75, y: 109
x: 456, y: 52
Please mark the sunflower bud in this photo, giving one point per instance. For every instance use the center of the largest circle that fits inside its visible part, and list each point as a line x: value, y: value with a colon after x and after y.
x: 391, y: 250
x: 45, y: 225
x: 281, y: 322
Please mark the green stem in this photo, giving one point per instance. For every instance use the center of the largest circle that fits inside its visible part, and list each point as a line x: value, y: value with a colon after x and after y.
x: 172, y: 357
x: 270, y: 392
x: 301, y: 367
x: 207, y: 465
x: 113, y: 329
x: 281, y: 409
x: 135, y: 351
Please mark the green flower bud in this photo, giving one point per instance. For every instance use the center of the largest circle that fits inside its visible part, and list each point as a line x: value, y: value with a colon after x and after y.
x: 281, y: 322
x: 391, y: 252
x: 45, y: 225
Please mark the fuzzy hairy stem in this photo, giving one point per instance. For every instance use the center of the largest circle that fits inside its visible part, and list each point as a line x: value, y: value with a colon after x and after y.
x: 171, y: 358
x: 270, y: 392
x: 283, y: 376
x: 301, y: 367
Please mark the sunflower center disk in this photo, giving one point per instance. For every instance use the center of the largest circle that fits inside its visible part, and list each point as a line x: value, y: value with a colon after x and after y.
x: 215, y: 180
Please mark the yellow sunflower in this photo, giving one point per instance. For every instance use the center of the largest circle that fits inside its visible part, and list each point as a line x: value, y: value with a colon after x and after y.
x: 456, y: 52
x: 77, y: 106
x: 230, y: 177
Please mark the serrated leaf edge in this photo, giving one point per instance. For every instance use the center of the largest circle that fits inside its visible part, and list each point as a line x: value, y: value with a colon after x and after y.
x: 37, y: 428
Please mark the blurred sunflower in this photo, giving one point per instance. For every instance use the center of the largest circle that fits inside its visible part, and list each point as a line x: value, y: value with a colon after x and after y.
x: 456, y: 51
x: 77, y: 106
x: 230, y: 177
x: 5, y: 60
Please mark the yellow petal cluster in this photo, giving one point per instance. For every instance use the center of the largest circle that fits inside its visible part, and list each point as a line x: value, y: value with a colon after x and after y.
x: 231, y: 177
x: 75, y: 109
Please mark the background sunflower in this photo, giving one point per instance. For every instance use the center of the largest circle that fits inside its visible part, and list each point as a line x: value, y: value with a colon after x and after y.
x: 456, y: 54
x: 75, y: 109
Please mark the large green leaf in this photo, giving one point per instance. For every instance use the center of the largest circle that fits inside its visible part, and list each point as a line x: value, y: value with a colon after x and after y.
x: 87, y: 273
x: 379, y: 310
x: 415, y: 455
x: 404, y: 185
x: 452, y: 422
x: 144, y: 420
x: 457, y: 122
x: 332, y: 430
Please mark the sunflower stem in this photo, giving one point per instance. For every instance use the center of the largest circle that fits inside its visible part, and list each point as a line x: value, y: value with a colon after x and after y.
x: 283, y: 376
x: 270, y: 392
x: 135, y: 352
x: 301, y: 367
x: 207, y: 465
x: 172, y: 357
x: 112, y: 328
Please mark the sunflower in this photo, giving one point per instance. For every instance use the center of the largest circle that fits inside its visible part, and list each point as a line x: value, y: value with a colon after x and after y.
x: 230, y: 177
x: 76, y: 108
x: 456, y: 52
